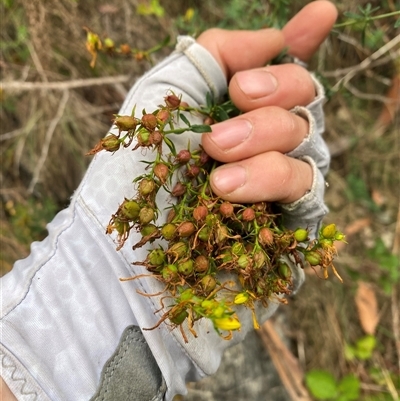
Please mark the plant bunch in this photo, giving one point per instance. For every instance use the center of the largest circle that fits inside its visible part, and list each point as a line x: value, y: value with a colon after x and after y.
x: 212, y: 255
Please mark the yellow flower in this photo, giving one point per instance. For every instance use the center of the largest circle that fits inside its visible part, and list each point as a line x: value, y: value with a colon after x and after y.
x: 227, y: 323
x: 241, y: 298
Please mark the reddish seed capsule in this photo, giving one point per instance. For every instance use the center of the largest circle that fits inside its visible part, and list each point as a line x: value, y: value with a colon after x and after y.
x: 200, y: 213
x: 161, y: 171
x: 201, y: 264
x: 163, y: 116
x: 248, y: 214
x: 178, y: 190
x: 149, y: 121
x: 204, y: 158
x: 226, y: 209
x: 172, y: 101
x: 265, y: 236
x: 155, y: 138
x: 183, y: 156
x: 208, y: 121
x: 125, y: 49
x: 193, y: 171
x: 186, y: 229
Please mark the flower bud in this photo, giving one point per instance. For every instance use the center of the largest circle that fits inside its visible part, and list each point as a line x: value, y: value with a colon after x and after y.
x: 329, y: 231
x: 130, y: 209
x: 186, y: 229
x: 146, y: 215
x: 183, y: 156
x: 201, y: 264
x: 265, y: 236
x: 248, y: 214
x: 227, y: 323
x: 126, y: 123
x: 200, y: 213
x: 146, y: 186
x: 301, y: 235
x: 168, y: 231
x: 149, y: 121
x: 161, y: 171
x: 226, y: 209
x: 241, y: 298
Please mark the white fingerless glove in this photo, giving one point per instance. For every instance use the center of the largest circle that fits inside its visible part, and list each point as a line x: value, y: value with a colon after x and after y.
x: 64, y: 308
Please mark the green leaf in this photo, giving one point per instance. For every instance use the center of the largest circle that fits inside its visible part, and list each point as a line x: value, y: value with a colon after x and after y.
x: 349, y: 387
x: 171, y: 145
x: 200, y: 128
x: 397, y: 23
x: 184, y: 119
x: 364, y: 347
x: 321, y: 384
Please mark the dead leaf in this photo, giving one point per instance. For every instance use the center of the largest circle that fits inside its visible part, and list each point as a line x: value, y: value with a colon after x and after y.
x: 367, y: 307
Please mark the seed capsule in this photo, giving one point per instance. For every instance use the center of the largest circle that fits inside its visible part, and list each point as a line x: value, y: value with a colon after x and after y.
x: 284, y: 271
x: 179, y: 317
x: 130, y: 209
x: 178, y: 190
x: 186, y: 229
x: 148, y: 229
x: 146, y: 186
x: 193, y: 171
x: 313, y: 258
x: 204, y: 234
x: 226, y: 209
x: 178, y: 250
x: 157, y: 257
x: 201, y: 264
x: 110, y: 143
x: 161, y: 171
x: 169, y: 272
x: 149, y: 121
x: 248, y: 214
x: 183, y: 156
x: 163, y: 116
x: 126, y: 123
x: 172, y: 101
x: 146, y: 215
x: 168, y: 231
x: 265, y: 236
x: 301, y: 235
x: 200, y: 213
x: 186, y: 267
x: 208, y: 283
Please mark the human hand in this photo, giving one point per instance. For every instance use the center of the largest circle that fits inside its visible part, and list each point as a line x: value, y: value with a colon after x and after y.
x: 254, y: 146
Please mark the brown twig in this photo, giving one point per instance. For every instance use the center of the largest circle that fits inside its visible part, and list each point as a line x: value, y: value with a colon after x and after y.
x: 19, y: 86
x: 286, y: 364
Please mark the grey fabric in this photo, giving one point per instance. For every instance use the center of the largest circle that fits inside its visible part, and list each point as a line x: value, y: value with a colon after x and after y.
x: 246, y: 373
x: 132, y: 373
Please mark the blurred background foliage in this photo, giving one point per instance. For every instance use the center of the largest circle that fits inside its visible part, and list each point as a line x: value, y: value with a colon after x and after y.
x: 54, y: 107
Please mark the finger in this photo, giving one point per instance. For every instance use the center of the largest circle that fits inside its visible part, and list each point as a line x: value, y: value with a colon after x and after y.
x: 286, y: 85
x: 308, y: 28
x: 271, y: 177
x: 256, y: 132
x: 241, y: 50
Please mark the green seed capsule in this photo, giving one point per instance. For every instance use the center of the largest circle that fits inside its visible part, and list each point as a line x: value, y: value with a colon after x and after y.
x: 301, y: 235
x: 179, y: 317
x: 157, y: 257
x: 130, y: 209
x: 146, y: 215
x: 148, y: 229
x: 178, y: 250
x: 169, y: 272
x: 208, y: 283
x: 284, y: 271
x: 313, y: 258
x: 168, y: 231
x: 186, y: 267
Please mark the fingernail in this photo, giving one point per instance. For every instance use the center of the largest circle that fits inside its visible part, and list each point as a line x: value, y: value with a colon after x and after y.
x: 256, y: 84
x: 228, y: 179
x: 231, y: 133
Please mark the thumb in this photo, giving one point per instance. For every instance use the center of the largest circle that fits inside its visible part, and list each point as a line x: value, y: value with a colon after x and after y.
x: 242, y: 50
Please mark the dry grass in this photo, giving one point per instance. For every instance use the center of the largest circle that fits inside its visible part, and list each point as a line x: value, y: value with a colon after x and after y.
x: 45, y: 43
